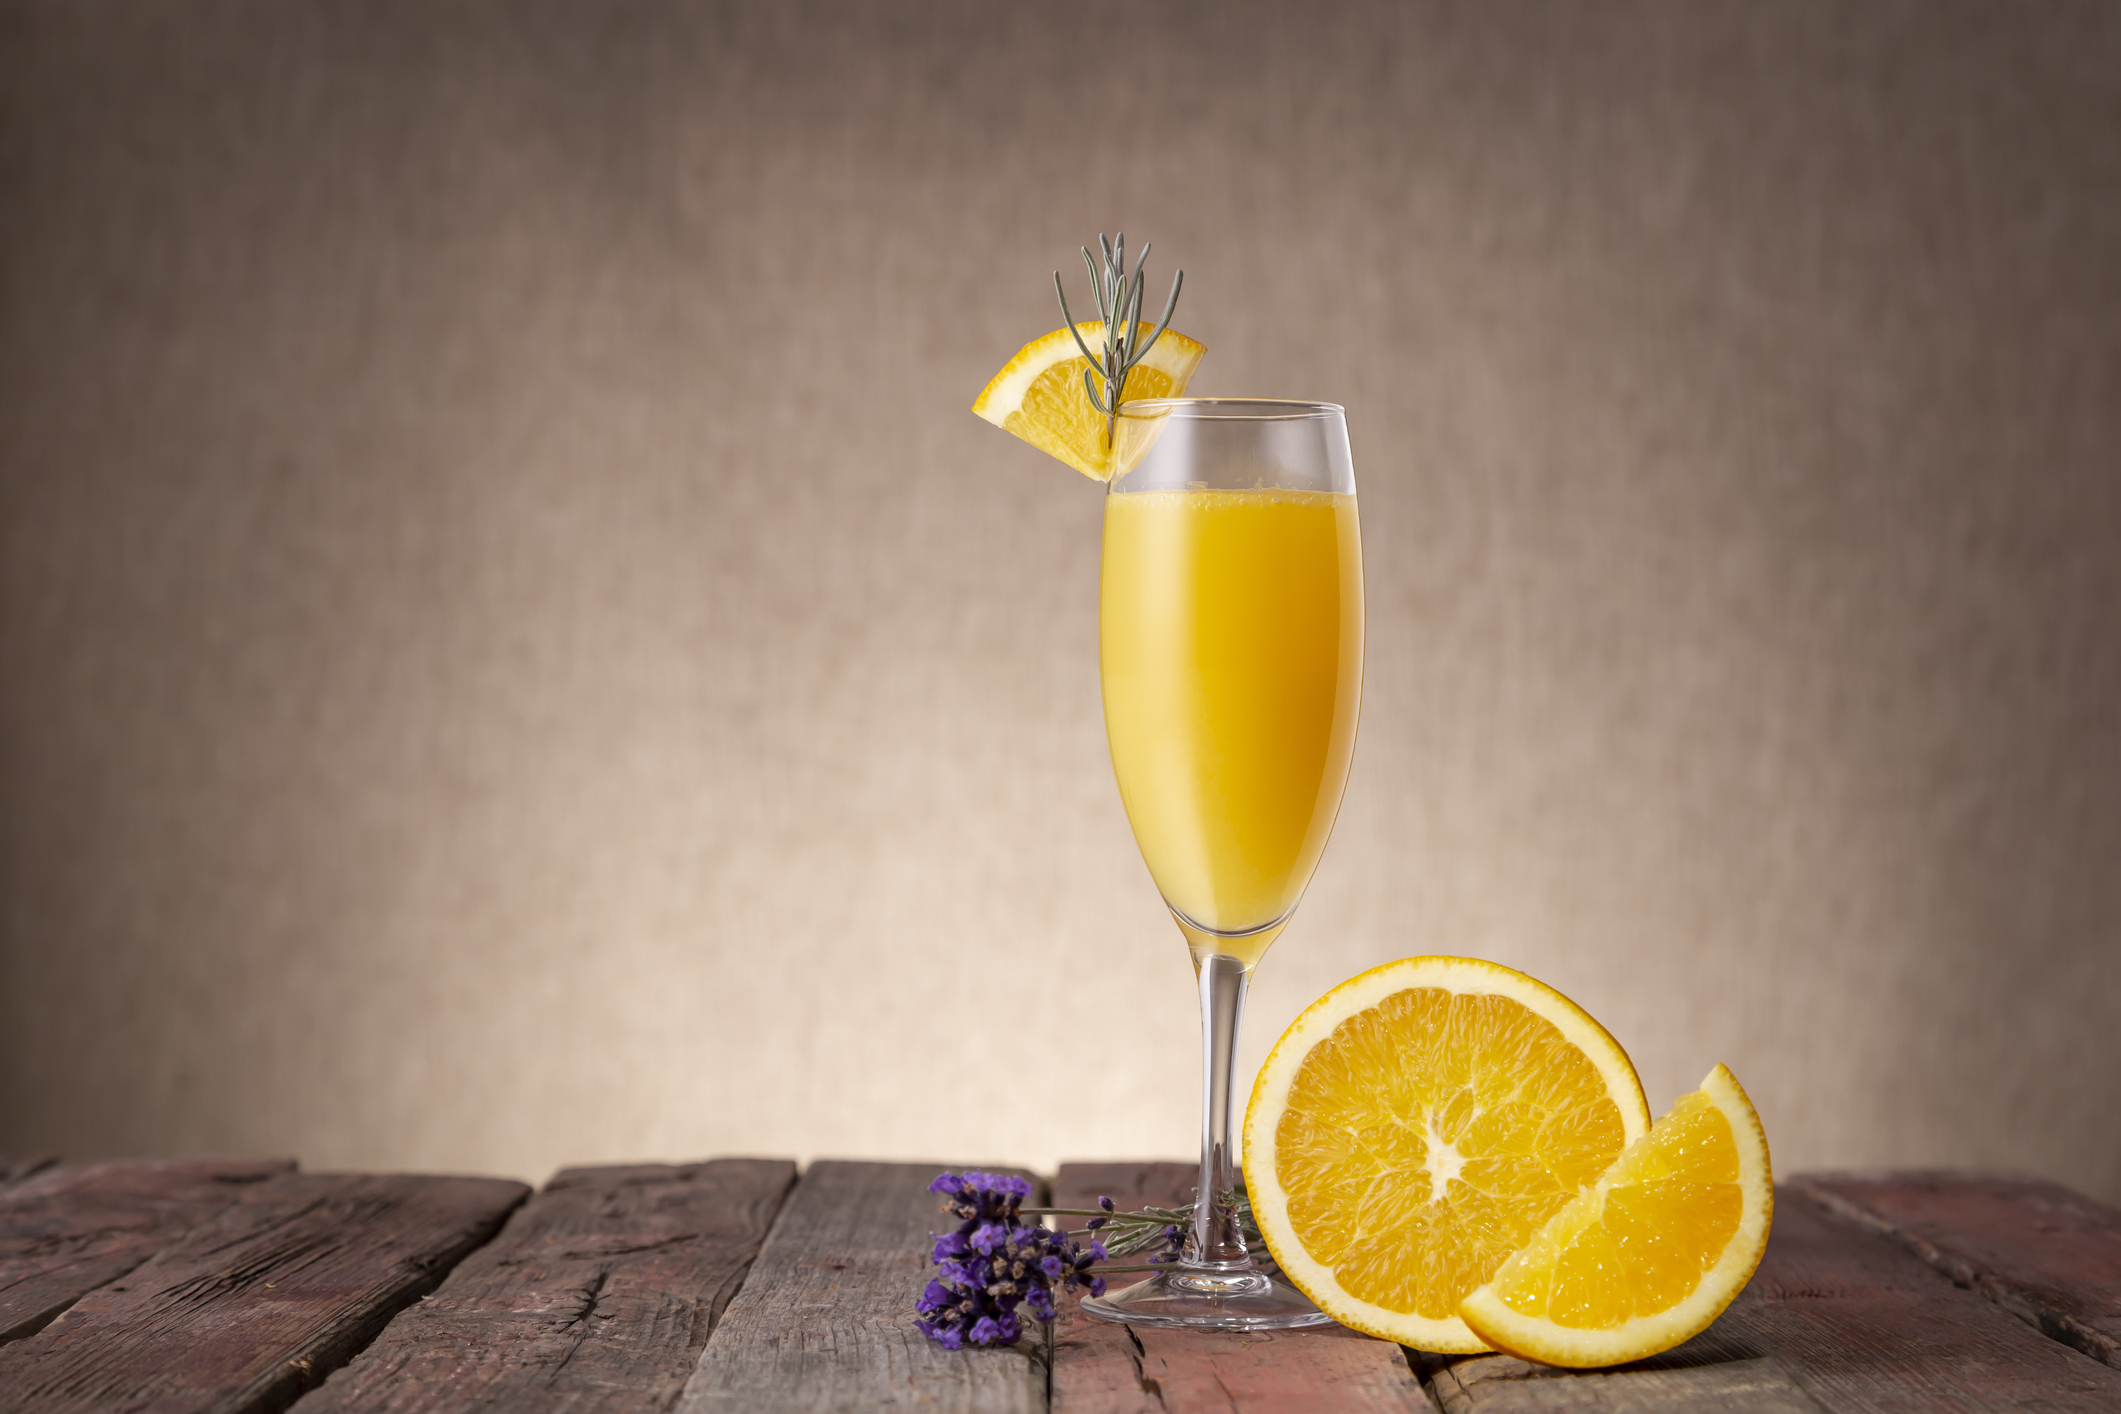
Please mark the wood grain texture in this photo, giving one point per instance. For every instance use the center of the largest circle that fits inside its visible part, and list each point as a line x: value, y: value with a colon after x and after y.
x: 825, y: 1320
x: 260, y: 1303
x: 1106, y: 1369
x: 16, y: 1167
x: 1498, y: 1384
x: 597, y: 1296
x: 1865, y: 1327
x: 66, y: 1231
x: 2047, y: 1255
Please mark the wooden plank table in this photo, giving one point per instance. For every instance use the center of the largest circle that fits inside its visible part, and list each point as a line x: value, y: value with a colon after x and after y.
x: 245, y: 1285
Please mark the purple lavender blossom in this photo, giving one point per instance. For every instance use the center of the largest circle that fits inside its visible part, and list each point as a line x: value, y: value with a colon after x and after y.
x: 995, y: 1262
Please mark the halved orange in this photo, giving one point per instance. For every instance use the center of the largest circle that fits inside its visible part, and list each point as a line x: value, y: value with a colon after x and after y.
x: 1039, y: 394
x: 1650, y: 1254
x: 1417, y: 1125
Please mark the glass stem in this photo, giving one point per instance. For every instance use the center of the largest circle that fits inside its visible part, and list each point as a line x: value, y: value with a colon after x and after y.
x: 1216, y: 1239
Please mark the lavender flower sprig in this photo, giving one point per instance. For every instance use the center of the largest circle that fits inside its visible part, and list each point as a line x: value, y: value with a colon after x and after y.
x: 995, y: 1263
x: 1158, y: 1230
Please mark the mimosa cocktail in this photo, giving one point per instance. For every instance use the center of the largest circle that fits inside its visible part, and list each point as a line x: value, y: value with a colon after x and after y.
x: 1230, y: 624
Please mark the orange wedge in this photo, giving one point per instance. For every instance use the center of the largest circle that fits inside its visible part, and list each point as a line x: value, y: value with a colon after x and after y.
x: 1039, y: 394
x: 1650, y: 1254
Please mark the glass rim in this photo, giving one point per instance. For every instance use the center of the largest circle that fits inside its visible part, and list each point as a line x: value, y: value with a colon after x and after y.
x: 1232, y: 409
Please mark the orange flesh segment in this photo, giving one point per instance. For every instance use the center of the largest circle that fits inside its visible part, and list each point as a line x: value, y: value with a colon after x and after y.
x: 1415, y: 1170
x: 1670, y: 1210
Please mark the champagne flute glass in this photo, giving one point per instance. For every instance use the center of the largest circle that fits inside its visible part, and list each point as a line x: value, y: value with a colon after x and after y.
x: 1230, y: 640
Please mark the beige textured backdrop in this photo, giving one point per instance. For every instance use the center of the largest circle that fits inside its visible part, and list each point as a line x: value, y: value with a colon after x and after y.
x: 513, y: 650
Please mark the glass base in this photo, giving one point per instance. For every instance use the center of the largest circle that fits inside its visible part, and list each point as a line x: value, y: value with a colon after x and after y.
x: 1240, y: 1297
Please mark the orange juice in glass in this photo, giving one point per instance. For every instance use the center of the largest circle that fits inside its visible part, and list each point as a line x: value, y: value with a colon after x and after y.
x: 1231, y: 642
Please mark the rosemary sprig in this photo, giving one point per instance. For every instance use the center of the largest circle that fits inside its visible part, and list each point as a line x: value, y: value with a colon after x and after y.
x: 1119, y: 304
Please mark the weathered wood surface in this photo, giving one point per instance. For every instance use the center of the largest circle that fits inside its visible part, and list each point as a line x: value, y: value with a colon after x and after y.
x: 2048, y: 1256
x: 598, y: 1295
x: 825, y: 1320
x: 16, y: 1167
x: 1497, y: 1384
x: 1857, y: 1323
x: 260, y: 1303
x: 1105, y: 1369
x: 66, y: 1231
x: 238, y: 1285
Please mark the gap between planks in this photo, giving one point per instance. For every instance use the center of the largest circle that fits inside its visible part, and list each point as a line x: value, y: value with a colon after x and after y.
x: 16, y: 1167
x: 825, y: 1320
x: 258, y: 1303
x: 1854, y: 1323
x: 2049, y: 1256
x: 1099, y: 1368
x: 66, y: 1231
x: 597, y: 1296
